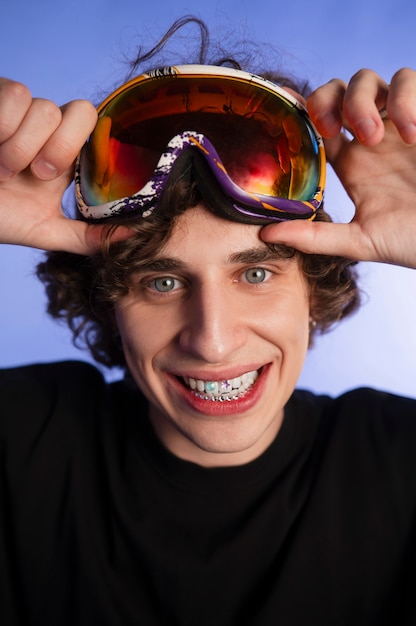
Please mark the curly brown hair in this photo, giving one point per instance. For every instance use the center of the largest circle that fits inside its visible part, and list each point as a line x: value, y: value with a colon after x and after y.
x: 83, y: 290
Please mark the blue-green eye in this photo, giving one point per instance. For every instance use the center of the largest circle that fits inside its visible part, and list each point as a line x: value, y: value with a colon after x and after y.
x: 256, y: 275
x: 164, y: 284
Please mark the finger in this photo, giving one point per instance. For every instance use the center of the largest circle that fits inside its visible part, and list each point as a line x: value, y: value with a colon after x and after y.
x: 15, y: 100
x: 79, y: 237
x: 325, y: 107
x: 366, y: 94
x: 69, y: 235
x: 401, y: 103
x: 95, y: 235
x: 40, y: 121
x: 334, y: 147
x: 79, y: 118
x: 321, y: 238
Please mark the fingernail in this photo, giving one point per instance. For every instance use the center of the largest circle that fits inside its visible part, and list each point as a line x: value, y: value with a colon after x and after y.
x: 5, y: 173
x: 409, y: 133
x: 327, y: 123
x: 44, y: 170
x: 365, y: 129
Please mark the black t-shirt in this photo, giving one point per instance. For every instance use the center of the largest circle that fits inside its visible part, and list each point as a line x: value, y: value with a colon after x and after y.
x: 101, y: 525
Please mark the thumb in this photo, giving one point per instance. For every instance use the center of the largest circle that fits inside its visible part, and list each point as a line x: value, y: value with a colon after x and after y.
x: 316, y: 237
x: 95, y: 235
x: 80, y: 237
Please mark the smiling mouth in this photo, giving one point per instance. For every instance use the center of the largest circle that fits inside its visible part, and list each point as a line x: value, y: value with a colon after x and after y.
x: 222, y: 390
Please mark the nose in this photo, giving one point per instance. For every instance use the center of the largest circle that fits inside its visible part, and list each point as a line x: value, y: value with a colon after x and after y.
x: 213, y: 328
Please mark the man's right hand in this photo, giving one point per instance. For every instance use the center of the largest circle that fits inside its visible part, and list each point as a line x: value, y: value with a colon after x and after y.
x: 39, y: 142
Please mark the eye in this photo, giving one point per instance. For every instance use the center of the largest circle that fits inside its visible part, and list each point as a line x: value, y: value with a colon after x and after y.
x: 165, y: 284
x: 256, y: 275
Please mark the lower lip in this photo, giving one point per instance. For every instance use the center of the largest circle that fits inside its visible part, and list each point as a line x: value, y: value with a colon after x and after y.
x: 227, y: 407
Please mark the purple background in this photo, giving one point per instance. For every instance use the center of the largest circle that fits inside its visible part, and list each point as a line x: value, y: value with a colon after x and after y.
x: 72, y: 49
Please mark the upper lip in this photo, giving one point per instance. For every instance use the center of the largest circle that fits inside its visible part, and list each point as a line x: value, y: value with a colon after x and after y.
x: 226, y: 374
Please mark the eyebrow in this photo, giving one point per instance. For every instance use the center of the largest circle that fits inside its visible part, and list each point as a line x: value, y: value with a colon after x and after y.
x: 163, y: 264
x: 261, y: 254
x: 257, y: 254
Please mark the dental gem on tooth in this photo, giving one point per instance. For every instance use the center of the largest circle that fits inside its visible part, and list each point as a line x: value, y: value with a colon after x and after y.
x: 222, y: 390
x: 211, y: 387
x: 225, y: 386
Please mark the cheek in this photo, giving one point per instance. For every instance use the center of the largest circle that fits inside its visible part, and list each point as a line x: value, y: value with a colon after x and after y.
x: 286, y: 319
x: 143, y: 334
x: 132, y: 330
x: 290, y: 336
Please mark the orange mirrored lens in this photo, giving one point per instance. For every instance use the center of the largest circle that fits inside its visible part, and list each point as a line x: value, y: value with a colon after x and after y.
x: 264, y: 142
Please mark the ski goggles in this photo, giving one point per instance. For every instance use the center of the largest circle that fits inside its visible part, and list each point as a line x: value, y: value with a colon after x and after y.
x: 249, y: 144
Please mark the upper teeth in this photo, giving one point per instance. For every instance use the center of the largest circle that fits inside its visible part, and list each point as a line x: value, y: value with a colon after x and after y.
x: 225, y: 388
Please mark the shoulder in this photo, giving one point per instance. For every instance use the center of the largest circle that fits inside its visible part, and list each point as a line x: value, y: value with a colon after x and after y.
x: 47, y: 373
x: 39, y: 388
x: 362, y: 406
x: 45, y: 401
x: 56, y: 415
x: 385, y: 422
x: 366, y: 427
x: 371, y: 408
x: 364, y: 419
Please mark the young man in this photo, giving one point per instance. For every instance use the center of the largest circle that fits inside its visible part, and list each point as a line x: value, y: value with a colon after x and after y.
x: 203, y: 489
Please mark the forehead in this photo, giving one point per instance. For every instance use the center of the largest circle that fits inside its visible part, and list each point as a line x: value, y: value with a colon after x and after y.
x: 202, y: 239
x: 200, y: 229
